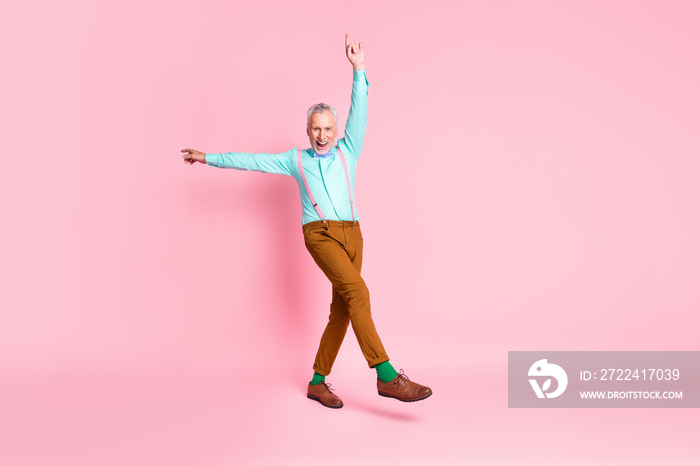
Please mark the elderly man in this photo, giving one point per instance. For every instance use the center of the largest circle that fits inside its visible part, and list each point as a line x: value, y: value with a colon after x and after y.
x: 325, y: 174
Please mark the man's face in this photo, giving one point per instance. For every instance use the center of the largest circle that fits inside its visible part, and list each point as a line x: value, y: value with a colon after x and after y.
x: 322, y: 132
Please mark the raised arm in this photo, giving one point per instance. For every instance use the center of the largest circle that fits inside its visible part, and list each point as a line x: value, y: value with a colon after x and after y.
x: 357, y: 119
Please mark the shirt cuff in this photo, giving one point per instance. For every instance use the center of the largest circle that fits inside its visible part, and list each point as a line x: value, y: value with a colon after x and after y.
x: 359, y: 76
x: 209, y: 158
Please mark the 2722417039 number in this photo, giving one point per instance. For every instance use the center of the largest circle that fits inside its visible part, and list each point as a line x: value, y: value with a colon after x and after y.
x: 640, y: 374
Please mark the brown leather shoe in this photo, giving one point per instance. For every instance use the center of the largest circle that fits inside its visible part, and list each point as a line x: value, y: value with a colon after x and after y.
x: 322, y: 393
x: 403, y: 389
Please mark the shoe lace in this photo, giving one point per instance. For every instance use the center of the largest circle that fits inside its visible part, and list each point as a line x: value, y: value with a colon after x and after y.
x: 327, y: 385
x: 401, y: 378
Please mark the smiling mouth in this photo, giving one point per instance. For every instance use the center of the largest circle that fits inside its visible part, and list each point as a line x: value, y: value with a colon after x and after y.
x: 321, y: 145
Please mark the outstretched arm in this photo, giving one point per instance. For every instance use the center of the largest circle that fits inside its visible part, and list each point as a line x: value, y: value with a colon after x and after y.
x: 355, y: 53
x: 281, y: 164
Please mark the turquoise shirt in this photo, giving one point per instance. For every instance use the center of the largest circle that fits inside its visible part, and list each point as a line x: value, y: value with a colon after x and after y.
x: 325, y: 176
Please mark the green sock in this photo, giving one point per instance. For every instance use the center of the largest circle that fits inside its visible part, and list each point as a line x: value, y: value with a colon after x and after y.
x: 386, y: 372
x: 318, y: 378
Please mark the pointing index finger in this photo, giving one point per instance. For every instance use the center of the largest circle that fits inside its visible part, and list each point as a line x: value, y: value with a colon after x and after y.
x: 347, y: 39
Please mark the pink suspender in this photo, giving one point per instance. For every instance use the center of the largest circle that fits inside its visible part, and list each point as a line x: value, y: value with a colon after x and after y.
x: 311, y: 196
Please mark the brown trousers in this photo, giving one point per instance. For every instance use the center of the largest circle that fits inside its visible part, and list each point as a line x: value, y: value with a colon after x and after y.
x: 336, y: 246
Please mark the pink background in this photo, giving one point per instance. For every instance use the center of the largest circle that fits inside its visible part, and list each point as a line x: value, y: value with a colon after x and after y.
x: 155, y: 313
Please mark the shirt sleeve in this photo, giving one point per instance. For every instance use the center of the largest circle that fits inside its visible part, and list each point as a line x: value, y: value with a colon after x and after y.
x: 280, y: 164
x: 356, y: 125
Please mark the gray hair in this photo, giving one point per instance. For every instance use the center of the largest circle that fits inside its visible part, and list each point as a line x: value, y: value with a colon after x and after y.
x: 320, y: 108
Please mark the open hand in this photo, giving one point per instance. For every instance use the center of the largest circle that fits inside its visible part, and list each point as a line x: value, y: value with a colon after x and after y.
x: 355, y: 53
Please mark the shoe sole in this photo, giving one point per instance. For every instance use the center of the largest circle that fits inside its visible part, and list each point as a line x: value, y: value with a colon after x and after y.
x: 310, y: 397
x: 404, y: 400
